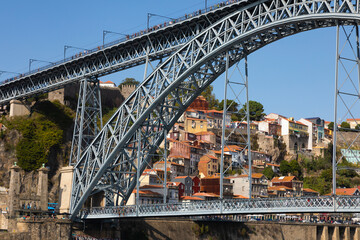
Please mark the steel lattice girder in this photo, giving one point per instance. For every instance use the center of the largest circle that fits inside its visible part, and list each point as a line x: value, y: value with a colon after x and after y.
x: 158, y: 44
x: 231, y: 206
x: 109, y: 162
x: 88, y: 120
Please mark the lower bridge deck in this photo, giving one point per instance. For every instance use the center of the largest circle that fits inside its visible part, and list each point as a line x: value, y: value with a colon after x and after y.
x: 330, y: 204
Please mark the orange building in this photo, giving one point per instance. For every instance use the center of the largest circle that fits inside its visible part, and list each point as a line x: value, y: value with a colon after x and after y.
x: 208, y: 165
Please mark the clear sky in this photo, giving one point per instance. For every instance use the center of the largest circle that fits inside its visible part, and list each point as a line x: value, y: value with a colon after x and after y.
x: 292, y: 77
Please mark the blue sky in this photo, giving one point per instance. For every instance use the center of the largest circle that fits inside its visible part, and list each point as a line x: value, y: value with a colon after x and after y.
x: 292, y: 77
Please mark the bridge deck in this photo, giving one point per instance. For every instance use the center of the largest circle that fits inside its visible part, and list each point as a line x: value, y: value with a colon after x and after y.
x: 349, y: 204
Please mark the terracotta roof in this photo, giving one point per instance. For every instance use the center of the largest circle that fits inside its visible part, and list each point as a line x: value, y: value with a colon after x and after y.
x: 279, y: 188
x: 174, y: 183
x: 196, y: 119
x: 191, y: 198
x: 283, y: 179
x: 254, y: 175
x: 239, y: 196
x: 353, y: 119
x: 177, y: 156
x: 171, y: 163
x: 273, y: 164
x: 346, y: 191
x: 211, y: 156
x: 206, y: 194
x: 179, y: 177
x: 214, y: 111
x: 148, y: 193
x: 204, y: 133
x: 309, y: 190
x: 219, y: 152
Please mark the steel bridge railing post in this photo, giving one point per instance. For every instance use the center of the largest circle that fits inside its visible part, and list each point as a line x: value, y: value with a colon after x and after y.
x: 165, y: 167
x: 223, y: 143
x: 248, y: 127
x: 334, y: 163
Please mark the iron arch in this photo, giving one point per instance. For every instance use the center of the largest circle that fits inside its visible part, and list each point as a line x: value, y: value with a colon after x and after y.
x: 137, y: 128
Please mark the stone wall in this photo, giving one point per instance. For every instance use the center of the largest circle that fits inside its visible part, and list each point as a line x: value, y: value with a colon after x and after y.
x: 38, y: 229
x: 168, y: 228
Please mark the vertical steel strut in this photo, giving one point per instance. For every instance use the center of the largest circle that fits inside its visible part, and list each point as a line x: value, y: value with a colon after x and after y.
x: 88, y: 120
x: 347, y: 95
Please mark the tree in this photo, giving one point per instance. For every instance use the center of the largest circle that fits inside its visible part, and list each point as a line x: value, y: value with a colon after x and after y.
x: 345, y: 126
x: 256, y: 111
x: 129, y: 81
x: 357, y: 127
x: 285, y: 168
x: 296, y: 168
x: 269, y: 173
x: 210, y: 97
x: 331, y: 126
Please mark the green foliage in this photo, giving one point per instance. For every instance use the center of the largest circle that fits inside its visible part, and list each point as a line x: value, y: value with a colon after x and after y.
x: 296, y: 169
x: 344, y: 126
x: 129, y: 81
x: 319, y: 184
x: 210, y: 97
x: 256, y: 110
x: 357, y: 127
x: 269, y: 173
x: 41, y: 133
x: 39, y: 136
x: 285, y: 168
x: 108, y: 115
x: 331, y: 126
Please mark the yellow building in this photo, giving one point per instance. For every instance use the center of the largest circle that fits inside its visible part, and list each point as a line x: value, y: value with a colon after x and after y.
x: 195, y: 125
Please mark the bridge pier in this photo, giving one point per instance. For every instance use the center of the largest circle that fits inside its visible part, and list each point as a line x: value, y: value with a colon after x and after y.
x: 66, y: 177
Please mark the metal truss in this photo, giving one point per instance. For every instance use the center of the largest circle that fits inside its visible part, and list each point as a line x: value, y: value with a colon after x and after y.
x: 347, y: 94
x: 88, y: 120
x: 237, y: 90
x: 115, y: 56
x: 109, y: 162
x: 231, y: 206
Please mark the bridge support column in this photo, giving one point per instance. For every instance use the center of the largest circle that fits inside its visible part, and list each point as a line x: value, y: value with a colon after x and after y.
x: 357, y: 234
x: 237, y: 91
x: 43, y: 188
x: 14, y: 190
x: 347, y: 235
x: 66, y: 178
x: 347, y: 93
x: 325, y: 233
x: 336, y: 233
x: 88, y: 120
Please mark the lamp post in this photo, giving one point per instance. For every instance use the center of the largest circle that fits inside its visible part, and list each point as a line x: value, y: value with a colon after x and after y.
x: 149, y: 15
x: 107, y: 32
x: 67, y: 46
x: 36, y: 60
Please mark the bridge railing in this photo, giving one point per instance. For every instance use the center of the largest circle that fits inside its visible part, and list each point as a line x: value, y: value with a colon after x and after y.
x: 231, y: 206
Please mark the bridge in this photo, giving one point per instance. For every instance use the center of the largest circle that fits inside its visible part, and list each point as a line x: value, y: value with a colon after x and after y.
x: 193, y: 52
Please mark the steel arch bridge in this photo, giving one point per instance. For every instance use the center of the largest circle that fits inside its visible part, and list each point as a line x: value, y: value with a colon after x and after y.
x: 127, y: 142
x: 131, y: 51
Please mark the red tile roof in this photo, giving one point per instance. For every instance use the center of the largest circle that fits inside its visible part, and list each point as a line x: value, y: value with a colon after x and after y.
x: 283, y: 179
x: 191, y: 198
x: 346, y: 191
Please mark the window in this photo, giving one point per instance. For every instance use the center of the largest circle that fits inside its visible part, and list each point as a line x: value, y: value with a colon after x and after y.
x: 193, y: 124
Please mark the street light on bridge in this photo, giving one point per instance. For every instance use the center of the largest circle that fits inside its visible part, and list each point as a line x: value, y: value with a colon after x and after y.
x: 36, y: 60
x: 149, y: 15
x: 106, y: 32
x: 67, y: 46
